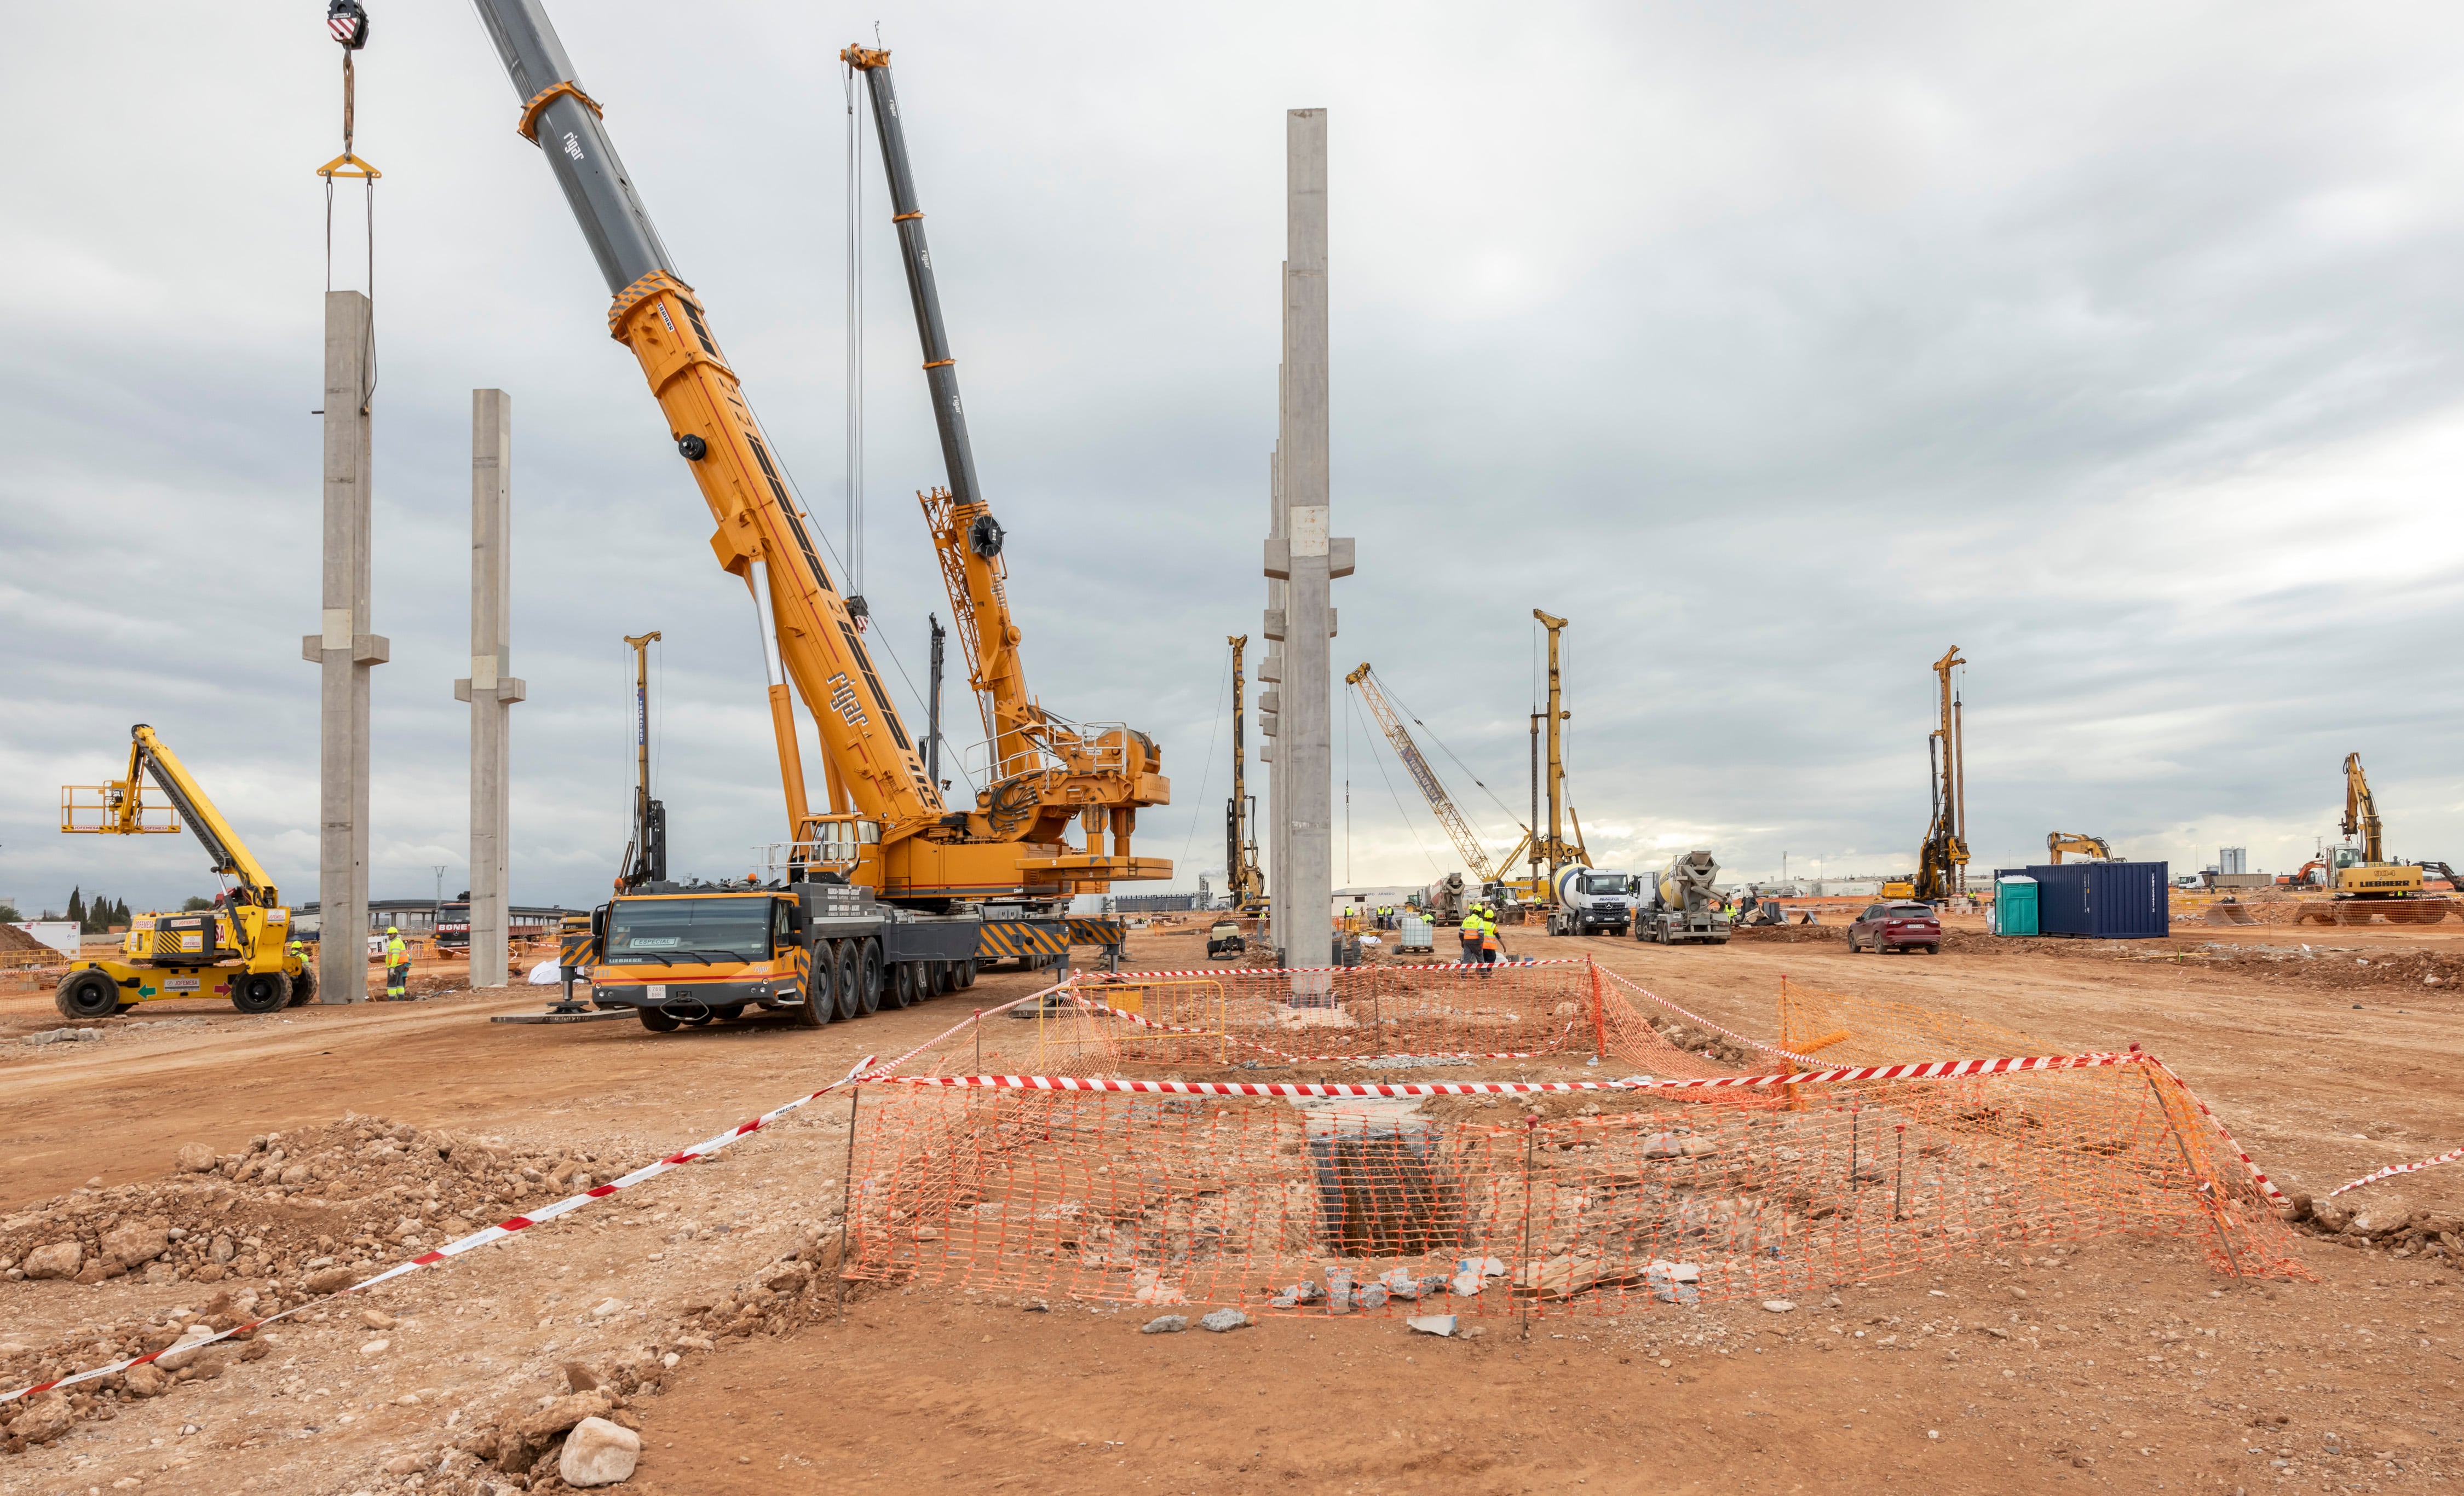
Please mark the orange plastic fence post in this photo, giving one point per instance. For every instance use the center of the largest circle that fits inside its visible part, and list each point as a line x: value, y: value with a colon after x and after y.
x: 2208, y: 1193
x: 1599, y: 1011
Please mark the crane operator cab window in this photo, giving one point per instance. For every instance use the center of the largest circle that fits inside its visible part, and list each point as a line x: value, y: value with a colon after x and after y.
x: 837, y: 842
x: 689, y: 931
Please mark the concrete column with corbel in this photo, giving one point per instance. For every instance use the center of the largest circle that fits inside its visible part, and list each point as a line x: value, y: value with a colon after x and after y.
x: 345, y: 649
x: 1305, y: 556
x: 492, y: 687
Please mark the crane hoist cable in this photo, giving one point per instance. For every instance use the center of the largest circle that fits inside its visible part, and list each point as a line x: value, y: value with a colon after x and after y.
x: 1401, y: 813
x: 346, y: 21
x: 854, y: 202
x: 1387, y: 686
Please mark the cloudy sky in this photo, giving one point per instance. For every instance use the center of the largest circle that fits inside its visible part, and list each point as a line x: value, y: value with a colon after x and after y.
x: 1778, y: 348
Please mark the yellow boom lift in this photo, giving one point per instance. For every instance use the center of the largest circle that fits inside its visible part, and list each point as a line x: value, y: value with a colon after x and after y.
x: 236, y: 950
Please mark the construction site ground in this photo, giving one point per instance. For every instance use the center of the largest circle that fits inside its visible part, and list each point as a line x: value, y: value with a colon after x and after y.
x: 2120, y: 1364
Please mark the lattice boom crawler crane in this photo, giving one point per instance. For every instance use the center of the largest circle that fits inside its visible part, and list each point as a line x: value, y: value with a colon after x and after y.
x: 238, y: 951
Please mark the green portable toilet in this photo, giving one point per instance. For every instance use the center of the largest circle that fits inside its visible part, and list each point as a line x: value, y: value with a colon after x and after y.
x: 2015, y: 906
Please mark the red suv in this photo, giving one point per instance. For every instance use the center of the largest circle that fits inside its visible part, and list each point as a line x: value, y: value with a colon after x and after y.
x: 1897, y: 927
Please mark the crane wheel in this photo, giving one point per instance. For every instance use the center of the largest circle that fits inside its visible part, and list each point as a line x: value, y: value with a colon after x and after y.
x: 846, y: 963
x: 656, y: 1022
x: 906, y: 981
x: 963, y: 973
x: 945, y: 977
x: 261, y: 992
x: 818, y: 1007
x: 868, y: 976
x: 303, y: 987
x: 86, y: 994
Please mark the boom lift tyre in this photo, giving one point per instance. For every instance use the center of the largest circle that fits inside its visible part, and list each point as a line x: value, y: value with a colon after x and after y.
x: 86, y: 994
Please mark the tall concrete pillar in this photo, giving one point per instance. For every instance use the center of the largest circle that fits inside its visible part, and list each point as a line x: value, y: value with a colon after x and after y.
x: 1305, y: 557
x: 345, y: 649
x: 1270, y: 675
x: 491, y: 689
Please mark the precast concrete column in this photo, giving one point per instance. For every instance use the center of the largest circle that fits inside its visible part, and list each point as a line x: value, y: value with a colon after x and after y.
x: 1306, y: 557
x: 492, y: 687
x: 1271, y: 675
x: 345, y: 649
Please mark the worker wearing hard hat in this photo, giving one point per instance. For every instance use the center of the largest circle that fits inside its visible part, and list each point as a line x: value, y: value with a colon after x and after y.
x: 1490, y: 946
x: 1471, y: 936
x: 397, y: 967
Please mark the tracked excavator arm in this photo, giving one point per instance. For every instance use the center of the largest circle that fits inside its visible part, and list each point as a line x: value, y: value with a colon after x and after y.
x: 2362, y: 812
x: 2057, y: 843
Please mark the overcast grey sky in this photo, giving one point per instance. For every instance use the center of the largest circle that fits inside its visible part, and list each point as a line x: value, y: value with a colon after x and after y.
x: 1778, y: 348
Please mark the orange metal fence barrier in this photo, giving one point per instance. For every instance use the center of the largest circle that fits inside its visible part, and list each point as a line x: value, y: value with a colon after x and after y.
x: 1465, y: 1182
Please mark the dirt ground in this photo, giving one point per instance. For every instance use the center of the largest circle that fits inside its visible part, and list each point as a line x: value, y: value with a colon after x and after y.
x: 2122, y: 1364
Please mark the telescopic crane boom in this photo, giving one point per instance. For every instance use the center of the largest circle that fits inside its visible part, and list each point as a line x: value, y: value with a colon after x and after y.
x: 927, y: 854
x: 1042, y: 768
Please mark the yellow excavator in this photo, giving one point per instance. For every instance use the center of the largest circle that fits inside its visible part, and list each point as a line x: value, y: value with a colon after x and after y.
x: 2364, y: 882
x: 237, y: 950
x: 2092, y: 847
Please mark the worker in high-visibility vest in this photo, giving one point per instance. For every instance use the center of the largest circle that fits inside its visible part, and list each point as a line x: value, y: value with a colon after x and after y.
x: 1489, y: 946
x: 397, y: 966
x: 1471, y: 937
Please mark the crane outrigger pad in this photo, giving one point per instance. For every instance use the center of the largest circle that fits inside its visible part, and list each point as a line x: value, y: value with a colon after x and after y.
x: 551, y: 1015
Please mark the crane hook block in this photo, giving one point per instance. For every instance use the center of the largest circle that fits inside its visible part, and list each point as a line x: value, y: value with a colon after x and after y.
x: 693, y: 447
x: 348, y: 21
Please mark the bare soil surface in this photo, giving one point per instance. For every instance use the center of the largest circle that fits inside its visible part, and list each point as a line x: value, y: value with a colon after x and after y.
x: 2118, y: 1364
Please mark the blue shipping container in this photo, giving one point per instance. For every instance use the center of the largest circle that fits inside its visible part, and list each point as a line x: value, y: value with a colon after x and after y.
x: 2104, y: 900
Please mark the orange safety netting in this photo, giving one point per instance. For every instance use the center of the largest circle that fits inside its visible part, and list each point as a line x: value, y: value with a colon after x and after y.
x: 1465, y: 1155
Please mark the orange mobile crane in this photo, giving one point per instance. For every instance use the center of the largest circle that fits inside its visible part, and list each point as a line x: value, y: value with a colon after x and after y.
x: 887, y: 828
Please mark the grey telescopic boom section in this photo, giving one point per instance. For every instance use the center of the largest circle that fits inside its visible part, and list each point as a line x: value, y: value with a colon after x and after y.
x: 957, y: 453
x: 575, y: 145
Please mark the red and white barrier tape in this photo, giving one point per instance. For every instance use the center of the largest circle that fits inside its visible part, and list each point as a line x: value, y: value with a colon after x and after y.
x: 865, y: 1069
x: 1700, y: 1021
x: 1935, y: 1069
x: 1107, y: 1010
x: 1132, y: 978
x: 2394, y: 1168
x: 2266, y: 1185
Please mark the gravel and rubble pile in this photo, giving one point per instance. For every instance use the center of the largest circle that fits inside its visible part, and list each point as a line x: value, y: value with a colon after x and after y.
x: 290, y: 1217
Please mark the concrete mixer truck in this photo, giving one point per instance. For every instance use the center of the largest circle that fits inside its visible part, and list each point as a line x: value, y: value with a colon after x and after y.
x: 1593, y: 899
x: 1444, y: 899
x: 1682, y: 908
